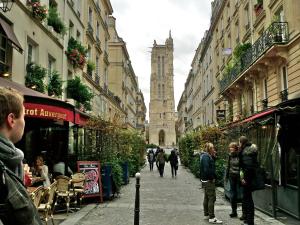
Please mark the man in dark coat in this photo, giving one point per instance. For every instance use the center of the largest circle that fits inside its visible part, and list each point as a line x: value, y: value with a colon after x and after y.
x: 248, y: 164
x: 16, y: 208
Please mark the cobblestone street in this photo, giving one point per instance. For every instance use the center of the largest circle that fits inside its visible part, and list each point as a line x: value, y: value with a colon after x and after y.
x: 164, y: 201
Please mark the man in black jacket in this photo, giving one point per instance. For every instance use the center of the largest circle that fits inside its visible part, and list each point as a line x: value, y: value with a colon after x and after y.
x: 16, y: 208
x: 208, y: 176
x: 248, y: 164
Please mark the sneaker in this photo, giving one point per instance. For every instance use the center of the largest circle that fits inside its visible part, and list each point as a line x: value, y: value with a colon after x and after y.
x: 215, y: 221
x: 206, y: 217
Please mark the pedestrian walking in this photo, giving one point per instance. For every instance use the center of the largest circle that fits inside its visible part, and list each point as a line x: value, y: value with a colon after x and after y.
x: 151, y: 159
x: 233, y: 175
x: 208, y: 176
x: 248, y: 164
x: 160, y: 160
x: 15, y: 205
x: 173, y: 159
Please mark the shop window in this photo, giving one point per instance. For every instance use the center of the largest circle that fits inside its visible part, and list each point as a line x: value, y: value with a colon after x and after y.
x: 291, y: 167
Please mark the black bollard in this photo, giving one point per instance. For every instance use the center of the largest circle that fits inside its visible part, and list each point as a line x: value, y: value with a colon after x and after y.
x: 137, y: 200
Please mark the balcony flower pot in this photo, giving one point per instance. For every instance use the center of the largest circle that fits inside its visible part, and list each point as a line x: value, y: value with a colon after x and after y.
x: 258, y: 8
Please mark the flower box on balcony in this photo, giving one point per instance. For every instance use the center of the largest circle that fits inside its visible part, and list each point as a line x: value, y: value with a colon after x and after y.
x: 258, y: 8
x: 76, y: 53
x: 38, y: 11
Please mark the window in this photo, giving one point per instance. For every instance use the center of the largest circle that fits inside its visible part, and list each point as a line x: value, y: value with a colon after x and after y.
x: 97, y: 30
x: 247, y: 17
x: 31, y: 52
x: 51, y: 65
x: 163, y: 66
x: 105, y: 76
x: 71, y: 29
x: 97, y: 65
x: 284, y: 78
x: 78, y: 38
x: 158, y: 66
x: 265, y: 89
x: 89, y: 52
x: 90, y: 16
x: 159, y: 91
x: 3, y: 49
x: 163, y: 91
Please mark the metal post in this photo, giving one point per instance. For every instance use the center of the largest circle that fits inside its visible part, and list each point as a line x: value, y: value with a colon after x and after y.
x: 137, y: 200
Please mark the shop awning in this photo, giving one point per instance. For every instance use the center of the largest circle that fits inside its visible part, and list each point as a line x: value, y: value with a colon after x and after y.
x: 258, y: 115
x: 11, y: 35
x: 39, y: 105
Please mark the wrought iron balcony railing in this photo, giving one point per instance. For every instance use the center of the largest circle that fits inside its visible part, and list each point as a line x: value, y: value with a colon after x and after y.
x: 277, y: 33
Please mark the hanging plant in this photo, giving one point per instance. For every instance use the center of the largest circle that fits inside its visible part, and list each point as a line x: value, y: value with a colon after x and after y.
x: 90, y: 67
x: 34, y: 78
x: 55, y: 85
x: 80, y: 93
x: 55, y: 21
x: 38, y: 11
x: 76, y: 53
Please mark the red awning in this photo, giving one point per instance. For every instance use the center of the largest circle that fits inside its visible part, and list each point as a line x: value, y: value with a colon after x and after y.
x: 258, y: 115
x: 48, y: 112
x: 80, y: 118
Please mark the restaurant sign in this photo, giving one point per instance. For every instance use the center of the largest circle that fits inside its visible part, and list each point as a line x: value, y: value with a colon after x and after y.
x: 48, y: 112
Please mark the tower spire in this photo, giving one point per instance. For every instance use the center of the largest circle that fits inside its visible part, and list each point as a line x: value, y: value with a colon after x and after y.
x: 170, y: 36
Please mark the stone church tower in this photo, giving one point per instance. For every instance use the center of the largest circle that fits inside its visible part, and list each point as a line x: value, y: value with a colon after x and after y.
x: 161, y: 108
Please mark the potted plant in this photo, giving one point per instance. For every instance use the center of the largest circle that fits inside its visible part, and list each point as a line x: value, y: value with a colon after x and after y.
x: 34, y: 78
x: 90, y: 67
x: 55, y: 21
x: 76, y: 53
x: 80, y: 93
x: 55, y: 85
x: 38, y: 11
x: 258, y: 7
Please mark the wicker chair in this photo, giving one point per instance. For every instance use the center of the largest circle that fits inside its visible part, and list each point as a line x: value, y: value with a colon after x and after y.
x: 63, y: 190
x: 37, y: 196
x: 46, y: 208
x: 78, y: 182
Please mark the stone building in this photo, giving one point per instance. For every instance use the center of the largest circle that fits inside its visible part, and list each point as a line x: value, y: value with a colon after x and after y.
x: 161, y: 108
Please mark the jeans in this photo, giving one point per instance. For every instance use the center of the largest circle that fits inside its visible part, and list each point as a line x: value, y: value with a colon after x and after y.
x: 161, y: 168
x: 209, y: 199
x: 173, y: 170
x: 248, y: 204
x: 151, y: 165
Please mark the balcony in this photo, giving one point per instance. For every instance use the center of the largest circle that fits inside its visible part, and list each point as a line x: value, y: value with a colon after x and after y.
x: 277, y: 33
x: 284, y: 95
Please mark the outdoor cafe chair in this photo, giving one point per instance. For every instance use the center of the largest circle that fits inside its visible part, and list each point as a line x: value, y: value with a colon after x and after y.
x: 63, y: 190
x: 37, y: 195
x: 78, y: 182
x: 46, y: 208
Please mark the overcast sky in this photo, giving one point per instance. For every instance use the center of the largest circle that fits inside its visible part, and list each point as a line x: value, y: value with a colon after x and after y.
x: 140, y: 22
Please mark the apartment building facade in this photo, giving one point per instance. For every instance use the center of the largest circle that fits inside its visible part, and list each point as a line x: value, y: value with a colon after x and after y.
x: 249, y: 74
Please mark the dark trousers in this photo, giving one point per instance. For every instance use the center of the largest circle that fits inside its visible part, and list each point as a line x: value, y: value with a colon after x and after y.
x: 234, y: 186
x: 209, y: 199
x: 248, y: 204
x: 161, y: 168
x: 151, y: 165
x: 173, y: 170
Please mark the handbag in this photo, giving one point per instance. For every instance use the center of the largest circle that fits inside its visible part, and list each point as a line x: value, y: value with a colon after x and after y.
x: 258, y: 179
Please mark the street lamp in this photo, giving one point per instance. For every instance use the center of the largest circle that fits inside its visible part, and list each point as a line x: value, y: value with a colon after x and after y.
x: 5, y: 5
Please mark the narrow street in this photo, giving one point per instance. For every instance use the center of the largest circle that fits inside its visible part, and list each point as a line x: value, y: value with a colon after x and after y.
x: 164, y: 201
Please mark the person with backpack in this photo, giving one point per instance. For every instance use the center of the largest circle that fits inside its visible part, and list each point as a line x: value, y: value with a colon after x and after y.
x: 160, y: 160
x: 208, y: 176
x: 151, y: 159
x: 16, y: 207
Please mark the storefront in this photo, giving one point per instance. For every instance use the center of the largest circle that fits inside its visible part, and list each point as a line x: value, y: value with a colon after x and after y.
x: 276, y: 133
x: 50, y: 127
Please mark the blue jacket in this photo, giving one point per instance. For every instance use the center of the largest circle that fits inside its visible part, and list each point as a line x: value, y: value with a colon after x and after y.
x: 207, y: 167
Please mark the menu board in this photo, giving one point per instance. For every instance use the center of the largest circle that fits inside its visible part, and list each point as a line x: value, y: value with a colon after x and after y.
x: 92, y: 171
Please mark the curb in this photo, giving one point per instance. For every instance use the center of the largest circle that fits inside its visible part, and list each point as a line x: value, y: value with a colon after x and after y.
x: 79, y: 215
